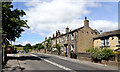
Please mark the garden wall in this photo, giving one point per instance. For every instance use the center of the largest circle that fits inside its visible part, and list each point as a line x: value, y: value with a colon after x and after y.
x: 84, y: 56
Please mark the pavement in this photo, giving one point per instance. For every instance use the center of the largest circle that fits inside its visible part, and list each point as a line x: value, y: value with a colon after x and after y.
x: 12, y: 64
x: 37, y: 62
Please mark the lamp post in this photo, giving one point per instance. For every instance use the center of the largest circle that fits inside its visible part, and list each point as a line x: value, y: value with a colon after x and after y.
x: 3, y: 49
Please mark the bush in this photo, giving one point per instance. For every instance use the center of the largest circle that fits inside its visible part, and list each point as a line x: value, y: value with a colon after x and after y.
x: 107, y: 53
x: 58, y: 48
x: 98, y: 54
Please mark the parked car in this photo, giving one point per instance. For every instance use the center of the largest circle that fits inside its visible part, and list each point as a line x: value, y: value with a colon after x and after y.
x: 54, y: 49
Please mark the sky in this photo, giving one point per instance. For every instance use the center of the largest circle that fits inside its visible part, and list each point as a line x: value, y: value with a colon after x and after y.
x: 45, y: 17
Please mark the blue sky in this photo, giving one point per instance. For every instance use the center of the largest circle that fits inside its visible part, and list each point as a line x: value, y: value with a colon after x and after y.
x: 102, y: 16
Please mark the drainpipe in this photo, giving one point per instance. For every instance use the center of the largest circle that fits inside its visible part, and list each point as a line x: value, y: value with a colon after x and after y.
x: 76, y: 44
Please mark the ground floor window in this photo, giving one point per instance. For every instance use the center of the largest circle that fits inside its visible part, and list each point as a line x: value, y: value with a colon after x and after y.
x: 103, y: 42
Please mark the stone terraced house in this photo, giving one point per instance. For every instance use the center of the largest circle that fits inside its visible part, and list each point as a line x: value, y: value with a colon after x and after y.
x: 77, y: 40
x: 110, y: 39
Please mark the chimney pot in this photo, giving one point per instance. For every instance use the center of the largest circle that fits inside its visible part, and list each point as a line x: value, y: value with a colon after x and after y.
x: 67, y: 29
x: 86, y: 22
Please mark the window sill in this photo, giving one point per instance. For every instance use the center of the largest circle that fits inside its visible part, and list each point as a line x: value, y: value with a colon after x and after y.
x: 104, y: 46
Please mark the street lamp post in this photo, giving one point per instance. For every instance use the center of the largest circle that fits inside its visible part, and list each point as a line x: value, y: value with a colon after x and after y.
x: 3, y: 49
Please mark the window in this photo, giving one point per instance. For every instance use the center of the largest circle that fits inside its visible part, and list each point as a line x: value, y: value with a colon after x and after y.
x: 118, y: 40
x: 66, y: 38
x: 54, y: 41
x: 107, y: 42
x: 72, y: 37
x: 102, y: 42
x: 62, y: 39
x: 72, y: 47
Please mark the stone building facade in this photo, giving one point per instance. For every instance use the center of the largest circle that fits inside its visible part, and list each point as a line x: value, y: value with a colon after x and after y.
x: 77, y: 40
x: 109, y: 39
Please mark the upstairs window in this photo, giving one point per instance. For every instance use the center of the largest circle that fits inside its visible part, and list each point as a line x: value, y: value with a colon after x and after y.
x: 62, y: 39
x: 72, y: 37
x: 102, y: 42
x: 107, y: 42
x: 54, y: 42
x: 118, y: 40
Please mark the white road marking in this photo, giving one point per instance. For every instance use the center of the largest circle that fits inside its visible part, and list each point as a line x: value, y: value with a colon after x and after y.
x: 65, y: 68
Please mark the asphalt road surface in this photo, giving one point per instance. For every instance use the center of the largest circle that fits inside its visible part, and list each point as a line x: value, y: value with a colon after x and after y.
x: 33, y: 62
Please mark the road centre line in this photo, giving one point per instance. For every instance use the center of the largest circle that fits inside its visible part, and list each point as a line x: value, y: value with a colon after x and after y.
x: 65, y: 68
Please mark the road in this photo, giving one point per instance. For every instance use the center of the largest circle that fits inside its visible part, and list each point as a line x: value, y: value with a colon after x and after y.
x: 33, y: 62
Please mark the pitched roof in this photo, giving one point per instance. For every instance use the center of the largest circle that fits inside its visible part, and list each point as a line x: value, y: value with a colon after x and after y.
x: 69, y: 32
x: 108, y: 34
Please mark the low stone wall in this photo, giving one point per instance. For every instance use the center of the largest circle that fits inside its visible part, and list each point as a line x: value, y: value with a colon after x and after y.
x: 54, y: 53
x: 112, y: 63
x: 42, y: 50
x: 84, y: 56
x: 48, y: 52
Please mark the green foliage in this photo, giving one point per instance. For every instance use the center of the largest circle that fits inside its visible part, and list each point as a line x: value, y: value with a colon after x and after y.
x: 13, y: 25
x: 18, y: 45
x: 48, y: 44
x: 107, y: 53
x: 90, y: 50
x: 98, y: 54
x: 37, y: 46
x: 40, y: 46
x: 27, y: 47
x: 58, y: 48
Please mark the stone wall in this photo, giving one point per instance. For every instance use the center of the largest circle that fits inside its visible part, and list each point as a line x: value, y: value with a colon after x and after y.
x: 54, y: 53
x: 42, y: 50
x: 113, y: 41
x: 84, y: 56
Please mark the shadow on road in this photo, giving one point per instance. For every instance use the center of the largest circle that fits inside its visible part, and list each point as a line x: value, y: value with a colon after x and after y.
x: 26, y: 58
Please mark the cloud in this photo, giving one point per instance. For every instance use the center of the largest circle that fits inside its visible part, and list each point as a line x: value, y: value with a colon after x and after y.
x: 49, y: 16
x: 104, y: 25
x: 22, y: 43
x: 42, y: 34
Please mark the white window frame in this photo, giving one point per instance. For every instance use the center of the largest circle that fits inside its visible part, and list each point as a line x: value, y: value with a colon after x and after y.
x: 107, y: 42
x: 66, y: 38
x: 102, y: 42
x: 72, y: 37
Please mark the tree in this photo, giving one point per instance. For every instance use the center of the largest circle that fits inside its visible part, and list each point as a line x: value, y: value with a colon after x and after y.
x: 19, y: 45
x: 40, y: 46
x: 12, y: 24
x: 27, y: 47
x: 48, y: 44
x: 37, y: 46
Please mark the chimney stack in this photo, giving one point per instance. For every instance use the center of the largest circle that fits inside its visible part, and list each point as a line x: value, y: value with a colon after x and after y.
x: 53, y: 35
x: 45, y: 38
x: 56, y: 33
x: 67, y: 29
x: 86, y: 22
